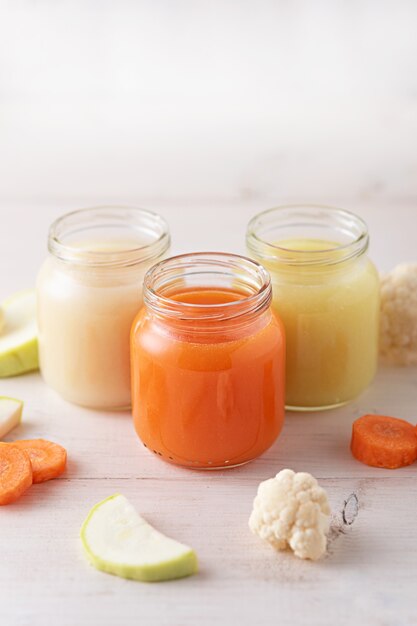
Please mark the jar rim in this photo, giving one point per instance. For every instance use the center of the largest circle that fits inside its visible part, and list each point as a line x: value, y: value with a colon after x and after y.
x: 279, y: 217
x: 131, y: 219
x: 253, y: 274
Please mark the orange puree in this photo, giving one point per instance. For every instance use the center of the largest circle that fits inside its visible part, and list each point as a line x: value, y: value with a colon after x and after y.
x: 206, y: 393
x: 204, y: 296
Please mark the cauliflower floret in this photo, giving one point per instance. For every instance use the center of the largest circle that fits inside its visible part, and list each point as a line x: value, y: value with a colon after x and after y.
x: 398, y: 330
x: 292, y: 510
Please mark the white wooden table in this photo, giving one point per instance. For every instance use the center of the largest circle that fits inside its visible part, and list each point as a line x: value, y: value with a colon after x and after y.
x: 369, y: 576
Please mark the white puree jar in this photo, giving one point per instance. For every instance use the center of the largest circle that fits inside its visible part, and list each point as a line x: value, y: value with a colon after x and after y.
x: 89, y: 292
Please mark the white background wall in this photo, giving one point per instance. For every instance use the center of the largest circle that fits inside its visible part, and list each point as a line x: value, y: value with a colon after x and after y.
x: 189, y: 106
x: 155, y: 101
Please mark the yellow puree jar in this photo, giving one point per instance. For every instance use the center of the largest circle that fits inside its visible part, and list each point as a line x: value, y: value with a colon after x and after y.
x: 326, y: 291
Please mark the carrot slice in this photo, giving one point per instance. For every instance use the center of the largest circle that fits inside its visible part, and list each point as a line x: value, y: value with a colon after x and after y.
x: 382, y: 441
x: 15, y: 473
x: 48, y: 459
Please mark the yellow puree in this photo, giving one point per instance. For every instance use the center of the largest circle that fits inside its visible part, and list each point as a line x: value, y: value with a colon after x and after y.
x: 330, y: 314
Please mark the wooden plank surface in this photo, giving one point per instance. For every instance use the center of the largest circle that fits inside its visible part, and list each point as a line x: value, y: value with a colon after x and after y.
x: 370, y: 573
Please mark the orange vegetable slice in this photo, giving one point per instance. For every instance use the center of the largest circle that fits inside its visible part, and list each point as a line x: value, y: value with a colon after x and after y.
x: 382, y: 441
x: 48, y: 459
x: 15, y: 473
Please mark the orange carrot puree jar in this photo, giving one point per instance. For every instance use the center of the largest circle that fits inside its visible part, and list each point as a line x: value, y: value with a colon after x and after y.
x: 207, y: 358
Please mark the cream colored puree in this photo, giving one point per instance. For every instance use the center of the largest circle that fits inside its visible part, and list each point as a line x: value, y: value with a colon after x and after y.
x: 330, y: 314
x: 85, y: 316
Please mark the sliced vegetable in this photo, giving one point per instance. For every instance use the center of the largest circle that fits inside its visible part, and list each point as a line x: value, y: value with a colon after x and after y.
x: 15, y: 473
x: 10, y: 414
x: 118, y: 541
x: 382, y: 441
x: 48, y: 459
x: 18, y: 340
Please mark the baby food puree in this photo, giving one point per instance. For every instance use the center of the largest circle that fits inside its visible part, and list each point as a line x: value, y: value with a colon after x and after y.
x: 326, y: 292
x: 89, y: 292
x: 208, y: 362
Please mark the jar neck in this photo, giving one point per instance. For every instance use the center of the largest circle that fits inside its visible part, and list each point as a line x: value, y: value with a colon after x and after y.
x: 307, y: 236
x: 108, y: 237
x: 207, y: 292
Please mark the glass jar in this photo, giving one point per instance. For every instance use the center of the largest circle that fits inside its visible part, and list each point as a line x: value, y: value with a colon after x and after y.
x: 207, y: 362
x: 326, y: 291
x: 89, y: 292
